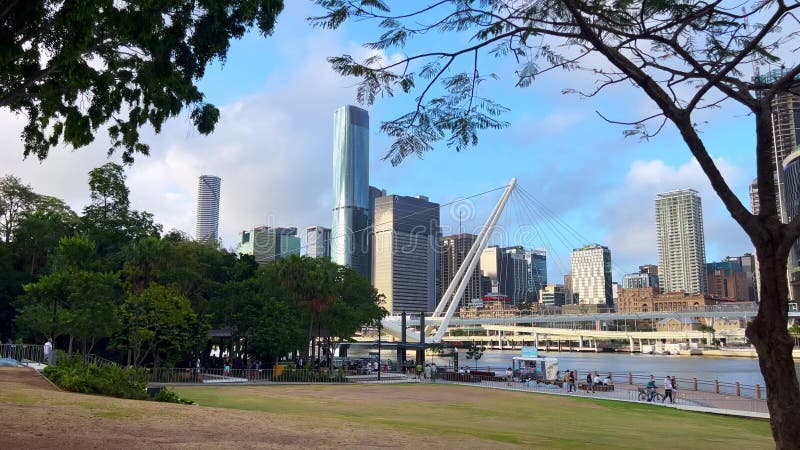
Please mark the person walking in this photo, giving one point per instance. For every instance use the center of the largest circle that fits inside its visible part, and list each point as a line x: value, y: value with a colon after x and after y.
x: 571, y: 383
x: 48, y: 351
x: 589, y: 383
x: 674, y: 389
x: 668, y: 390
x: 434, y: 372
x: 419, y: 370
x: 427, y: 371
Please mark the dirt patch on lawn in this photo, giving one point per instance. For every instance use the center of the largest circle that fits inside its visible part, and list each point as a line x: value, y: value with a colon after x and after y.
x: 34, y: 415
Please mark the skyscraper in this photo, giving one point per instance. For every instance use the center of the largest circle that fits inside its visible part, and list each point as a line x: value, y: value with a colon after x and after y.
x: 318, y: 242
x: 350, y: 231
x: 454, y: 250
x: 514, y: 274
x: 591, y: 275
x: 208, y: 192
x: 268, y: 244
x: 405, y: 250
x: 681, y: 244
x: 537, y: 272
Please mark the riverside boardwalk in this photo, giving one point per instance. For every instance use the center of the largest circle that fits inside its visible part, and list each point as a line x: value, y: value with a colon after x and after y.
x: 691, y: 400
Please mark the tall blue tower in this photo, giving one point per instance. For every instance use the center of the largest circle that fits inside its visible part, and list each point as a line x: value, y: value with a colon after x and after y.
x: 350, y: 233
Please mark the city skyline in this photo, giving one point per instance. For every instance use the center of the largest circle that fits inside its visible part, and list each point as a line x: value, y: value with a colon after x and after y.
x: 275, y: 133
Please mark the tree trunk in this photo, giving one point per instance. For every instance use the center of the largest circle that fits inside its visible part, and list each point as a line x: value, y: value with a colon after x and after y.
x: 769, y: 334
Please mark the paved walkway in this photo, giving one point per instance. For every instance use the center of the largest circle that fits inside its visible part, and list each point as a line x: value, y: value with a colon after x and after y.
x: 686, y: 400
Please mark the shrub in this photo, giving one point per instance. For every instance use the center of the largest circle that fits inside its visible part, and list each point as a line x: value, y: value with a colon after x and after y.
x: 169, y: 396
x: 73, y: 374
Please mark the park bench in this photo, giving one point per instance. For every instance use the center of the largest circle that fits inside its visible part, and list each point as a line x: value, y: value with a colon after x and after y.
x: 597, y: 387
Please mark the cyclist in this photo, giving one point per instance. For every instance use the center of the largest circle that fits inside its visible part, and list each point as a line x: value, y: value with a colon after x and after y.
x: 651, y: 388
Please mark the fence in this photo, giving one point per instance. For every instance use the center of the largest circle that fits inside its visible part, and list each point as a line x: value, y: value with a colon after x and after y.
x: 25, y: 354
x: 261, y: 376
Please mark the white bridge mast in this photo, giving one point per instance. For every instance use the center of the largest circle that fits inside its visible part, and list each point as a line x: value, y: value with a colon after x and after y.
x: 455, y: 291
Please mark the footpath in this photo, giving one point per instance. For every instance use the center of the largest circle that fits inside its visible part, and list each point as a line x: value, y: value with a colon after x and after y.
x: 688, y: 400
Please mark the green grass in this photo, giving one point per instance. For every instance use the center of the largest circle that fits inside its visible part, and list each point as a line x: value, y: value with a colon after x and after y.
x: 523, y: 419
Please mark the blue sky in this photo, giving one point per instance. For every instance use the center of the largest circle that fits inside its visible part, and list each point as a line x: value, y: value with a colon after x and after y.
x: 273, y: 148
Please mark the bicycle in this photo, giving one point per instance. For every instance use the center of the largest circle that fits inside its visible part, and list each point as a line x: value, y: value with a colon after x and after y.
x: 646, y: 395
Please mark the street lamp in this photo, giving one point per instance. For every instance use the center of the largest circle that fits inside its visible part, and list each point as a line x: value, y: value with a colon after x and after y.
x: 379, y: 351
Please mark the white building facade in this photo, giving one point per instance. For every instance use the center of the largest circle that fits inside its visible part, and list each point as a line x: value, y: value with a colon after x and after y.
x: 681, y: 242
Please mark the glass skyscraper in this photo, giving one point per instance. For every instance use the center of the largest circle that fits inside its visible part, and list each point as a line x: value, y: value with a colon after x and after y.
x: 208, y: 191
x: 351, y: 202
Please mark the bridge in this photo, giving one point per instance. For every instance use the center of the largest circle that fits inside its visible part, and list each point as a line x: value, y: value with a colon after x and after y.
x: 433, y: 327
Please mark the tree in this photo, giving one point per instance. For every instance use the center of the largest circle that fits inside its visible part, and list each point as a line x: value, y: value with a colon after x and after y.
x: 157, y: 322
x: 38, y: 232
x: 15, y: 199
x: 108, y: 219
x: 475, y: 352
x: 686, y: 56
x: 73, y: 67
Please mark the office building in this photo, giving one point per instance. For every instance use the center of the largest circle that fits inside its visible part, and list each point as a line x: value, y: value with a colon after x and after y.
x: 569, y: 297
x: 726, y: 279
x: 454, y: 250
x: 268, y: 244
x: 552, y: 295
x: 681, y: 244
x: 490, y: 270
x: 748, y: 264
x: 591, y: 275
x: 318, y: 242
x: 537, y: 272
x: 513, y: 274
x: 350, y: 233
x: 647, y: 277
x: 405, y: 253
x: 208, y: 192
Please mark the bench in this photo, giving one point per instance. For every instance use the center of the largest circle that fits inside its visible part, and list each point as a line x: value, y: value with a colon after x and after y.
x: 461, y: 377
x: 597, y: 387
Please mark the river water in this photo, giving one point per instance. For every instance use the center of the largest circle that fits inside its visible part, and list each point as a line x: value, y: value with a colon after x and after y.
x: 730, y: 370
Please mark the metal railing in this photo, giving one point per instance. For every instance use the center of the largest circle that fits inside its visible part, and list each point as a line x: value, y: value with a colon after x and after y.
x: 25, y: 354
x: 263, y: 376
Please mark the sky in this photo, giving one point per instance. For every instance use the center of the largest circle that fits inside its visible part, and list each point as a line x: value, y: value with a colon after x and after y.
x: 583, y: 181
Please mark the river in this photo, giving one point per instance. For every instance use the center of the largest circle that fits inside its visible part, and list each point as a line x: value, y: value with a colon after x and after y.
x: 730, y: 370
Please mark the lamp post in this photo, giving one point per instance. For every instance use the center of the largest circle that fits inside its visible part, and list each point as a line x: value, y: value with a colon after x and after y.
x: 379, y: 351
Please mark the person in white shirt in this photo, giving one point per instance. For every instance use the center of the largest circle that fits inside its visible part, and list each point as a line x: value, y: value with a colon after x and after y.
x: 48, y: 351
x: 668, y: 389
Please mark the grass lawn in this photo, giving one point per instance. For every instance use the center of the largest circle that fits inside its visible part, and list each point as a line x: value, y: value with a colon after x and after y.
x: 444, y: 415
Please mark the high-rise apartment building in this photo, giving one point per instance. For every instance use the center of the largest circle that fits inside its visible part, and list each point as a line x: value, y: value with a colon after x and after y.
x: 454, y: 251
x: 350, y: 233
x: 208, y: 192
x: 681, y: 244
x: 405, y: 253
x: 591, y: 275
x: 268, y: 244
x: 318, y: 242
x: 537, y: 272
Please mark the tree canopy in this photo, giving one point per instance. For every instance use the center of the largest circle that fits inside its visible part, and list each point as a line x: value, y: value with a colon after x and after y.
x: 74, y: 67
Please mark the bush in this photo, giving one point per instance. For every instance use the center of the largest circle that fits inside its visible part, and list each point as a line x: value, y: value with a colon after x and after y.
x: 171, y: 397
x: 73, y: 374
x: 310, y: 376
